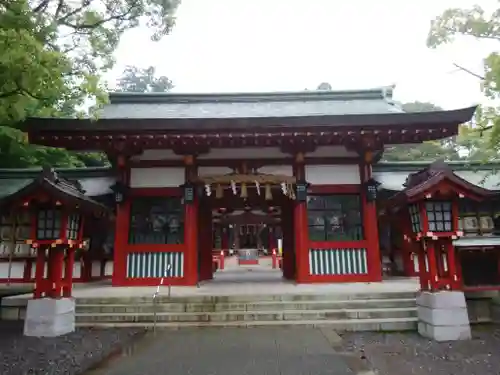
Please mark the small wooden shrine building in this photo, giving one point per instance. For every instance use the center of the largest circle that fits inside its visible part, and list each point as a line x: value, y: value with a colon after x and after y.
x: 49, y: 213
x: 178, y: 158
x: 448, y: 230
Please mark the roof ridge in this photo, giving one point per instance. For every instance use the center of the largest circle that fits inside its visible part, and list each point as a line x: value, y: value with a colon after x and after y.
x: 380, y: 93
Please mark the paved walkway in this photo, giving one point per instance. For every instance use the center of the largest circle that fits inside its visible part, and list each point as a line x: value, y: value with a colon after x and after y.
x: 232, y: 351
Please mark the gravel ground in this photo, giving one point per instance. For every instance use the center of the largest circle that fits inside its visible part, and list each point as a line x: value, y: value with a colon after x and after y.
x: 69, y: 355
x: 408, y: 353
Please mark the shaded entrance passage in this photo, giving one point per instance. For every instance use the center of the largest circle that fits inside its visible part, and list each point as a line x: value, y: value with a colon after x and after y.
x: 259, y: 274
x: 230, y: 351
x: 231, y: 217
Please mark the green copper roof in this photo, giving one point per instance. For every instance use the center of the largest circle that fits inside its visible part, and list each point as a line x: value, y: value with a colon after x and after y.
x: 249, y: 105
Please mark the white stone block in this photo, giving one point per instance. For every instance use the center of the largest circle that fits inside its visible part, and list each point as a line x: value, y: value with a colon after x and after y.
x: 443, y: 317
x: 48, y: 317
x: 444, y: 333
x: 441, y: 300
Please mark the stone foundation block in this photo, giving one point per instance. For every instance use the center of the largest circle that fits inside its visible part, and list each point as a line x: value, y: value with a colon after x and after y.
x: 441, y: 300
x: 47, y: 317
x: 444, y: 333
x: 443, y: 316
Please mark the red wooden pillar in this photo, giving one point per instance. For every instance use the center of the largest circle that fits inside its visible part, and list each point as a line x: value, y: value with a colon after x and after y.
x: 301, y: 242
x: 68, y: 272
x: 40, y: 272
x: 452, y: 266
x: 121, y: 239
x: 370, y: 223
x: 122, y: 225
x: 191, y: 227
x: 190, y: 241
x: 433, y: 270
x: 301, y: 228
x: 56, y: 259
x: 423, y: 273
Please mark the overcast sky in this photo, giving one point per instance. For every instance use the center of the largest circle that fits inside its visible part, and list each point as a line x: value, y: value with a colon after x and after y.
x: 283, y: 45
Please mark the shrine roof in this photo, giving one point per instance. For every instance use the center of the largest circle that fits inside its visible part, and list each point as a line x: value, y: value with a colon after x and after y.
x: 249, y: 105
x: 67, y: 191
x: 430, y: 179
x: 393, y: 175
x: 173, y: 111
x: 94, y: 181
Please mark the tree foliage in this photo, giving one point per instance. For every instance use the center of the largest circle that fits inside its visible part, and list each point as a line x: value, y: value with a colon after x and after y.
x: 54, y: 53
x: 477, y: 23
x: 136, y: 79
x: 324, y: 86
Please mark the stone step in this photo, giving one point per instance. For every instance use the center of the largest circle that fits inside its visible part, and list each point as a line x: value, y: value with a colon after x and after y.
x: 279, y: 315
x: 355, y: 325
x: 163, y: 298
x: 253, y: 306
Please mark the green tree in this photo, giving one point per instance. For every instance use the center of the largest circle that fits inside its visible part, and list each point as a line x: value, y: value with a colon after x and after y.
x: 134, y: 79
x: 324, y: 86
x: 477, y: 23
x: 53, y: 56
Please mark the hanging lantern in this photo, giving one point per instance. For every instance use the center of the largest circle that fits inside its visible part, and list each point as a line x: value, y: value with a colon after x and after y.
x: 268, y: 193
x: 189, y: 192
x: 233, y: 187
x: 219, y: 192
x: 120, y: 191
x: 371, y: 189
x: 244, y: 192
x: 301, y: 191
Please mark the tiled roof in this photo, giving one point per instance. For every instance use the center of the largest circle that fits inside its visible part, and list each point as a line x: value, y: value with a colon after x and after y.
x: 94, y: 181
x: 393, y: 175
x: 69, y: 192
x: 249, y: 105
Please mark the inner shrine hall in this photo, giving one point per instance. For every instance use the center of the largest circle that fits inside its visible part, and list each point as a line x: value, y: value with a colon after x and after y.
x: 293, y: 171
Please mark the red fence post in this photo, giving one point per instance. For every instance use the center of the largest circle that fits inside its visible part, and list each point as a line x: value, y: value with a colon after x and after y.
x: 221, y: 260
x: 274, y: 260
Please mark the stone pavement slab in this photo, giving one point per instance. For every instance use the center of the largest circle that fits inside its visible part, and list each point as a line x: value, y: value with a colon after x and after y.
x: 231, y: 351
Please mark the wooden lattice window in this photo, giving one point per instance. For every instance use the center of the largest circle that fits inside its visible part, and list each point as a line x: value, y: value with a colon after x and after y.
x: 49, y: 222
x: 335, y: 217
x: 156, y: 220
x: 439, y: 216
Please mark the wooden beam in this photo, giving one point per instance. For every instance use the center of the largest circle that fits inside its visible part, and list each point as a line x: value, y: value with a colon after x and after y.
x: 233, y: 163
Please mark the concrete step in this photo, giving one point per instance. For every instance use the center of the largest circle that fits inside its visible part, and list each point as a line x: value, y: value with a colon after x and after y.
x: 163, y: 298
x: 279, y: 315
x: 253, y: 306
x: 355, y: 325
